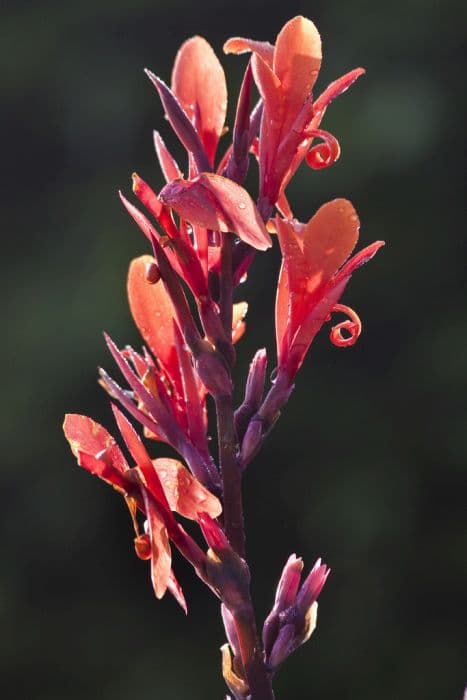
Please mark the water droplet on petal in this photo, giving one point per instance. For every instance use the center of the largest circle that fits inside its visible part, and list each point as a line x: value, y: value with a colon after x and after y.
x: 241, y: 205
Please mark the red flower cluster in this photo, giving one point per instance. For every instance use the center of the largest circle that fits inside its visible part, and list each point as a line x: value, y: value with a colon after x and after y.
x: 204, y: 230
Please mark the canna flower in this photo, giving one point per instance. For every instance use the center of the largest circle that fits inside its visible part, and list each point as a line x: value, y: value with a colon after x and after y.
x: 313, y: 276
x: 285, y: 75
x: 157, y: 488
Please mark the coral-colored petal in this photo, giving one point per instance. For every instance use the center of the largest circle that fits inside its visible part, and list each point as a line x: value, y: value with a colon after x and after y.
x: 282, y: 312
x: 153, y: 312
x: 238, y: 324
x: 297, y: 60
x: 85, y: 436
x: 161, y: 557
x: 217, y: 203
x: 335, y: 89
x: 239, y: 45
x: 183, y: 492
x: 198, y: 81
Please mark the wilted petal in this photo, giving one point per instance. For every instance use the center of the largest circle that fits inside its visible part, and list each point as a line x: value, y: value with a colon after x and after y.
x: 198, y: 81
x: 219, y: 204
x: 184, y: 493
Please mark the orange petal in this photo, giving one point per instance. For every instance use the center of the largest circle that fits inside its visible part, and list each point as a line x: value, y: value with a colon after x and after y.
x: 329, y: 238
x: 184, y: 493
x: 198, y: 81
x: 85, y: 436
x: 282, y: 311
x: 239, y: 45
x: 297, y: 60
x: 152, y: 311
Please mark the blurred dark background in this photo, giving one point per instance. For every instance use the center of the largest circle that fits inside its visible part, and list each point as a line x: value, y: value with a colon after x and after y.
x: 366, y: 467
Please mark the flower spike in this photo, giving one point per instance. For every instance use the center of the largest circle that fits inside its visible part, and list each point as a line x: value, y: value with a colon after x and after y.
x: 205, y: 230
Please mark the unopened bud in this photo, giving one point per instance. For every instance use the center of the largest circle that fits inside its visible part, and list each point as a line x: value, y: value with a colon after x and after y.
x: 251, y: 441
x: 213, y: 372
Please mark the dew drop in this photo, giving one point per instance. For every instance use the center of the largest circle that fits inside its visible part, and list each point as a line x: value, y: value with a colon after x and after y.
x: 241, y: 205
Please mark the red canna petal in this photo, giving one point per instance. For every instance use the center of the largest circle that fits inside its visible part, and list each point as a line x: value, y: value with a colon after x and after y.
x: 297, y: 60
x: 184, y: 493
x: 323, y: 154
x: 282, y: 311
x: 217, y: 203
x: 99, y: 466
x: 335, y: 89
x: 198, y: 81
x: 239, y: 45
x: 153, y: 313
x: 87, y: 437
x: 161, y: 557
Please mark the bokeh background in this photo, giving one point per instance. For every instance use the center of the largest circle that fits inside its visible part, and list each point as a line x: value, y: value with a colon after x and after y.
x: 367, y: 465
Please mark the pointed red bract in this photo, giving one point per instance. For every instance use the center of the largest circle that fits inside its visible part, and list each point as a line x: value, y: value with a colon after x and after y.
x: 198, y: 81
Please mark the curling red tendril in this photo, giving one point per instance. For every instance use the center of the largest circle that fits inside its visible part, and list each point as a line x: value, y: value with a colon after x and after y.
x: 352, y: 325
x: 323, y: 154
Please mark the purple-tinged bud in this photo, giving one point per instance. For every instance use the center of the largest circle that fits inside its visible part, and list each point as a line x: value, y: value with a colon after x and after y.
x: 312, y: 587
x: 289, y: 583
x: 284, y: 645
x: 293, y: 617
x: 253, y: 392
x: 237, y: 166
x: 286, y: 592
x: 180, y: 122
x: 251, y: 441
x: 212, y: 371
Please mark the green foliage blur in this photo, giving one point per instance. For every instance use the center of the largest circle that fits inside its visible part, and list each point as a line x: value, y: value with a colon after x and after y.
x: 366, y: 466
